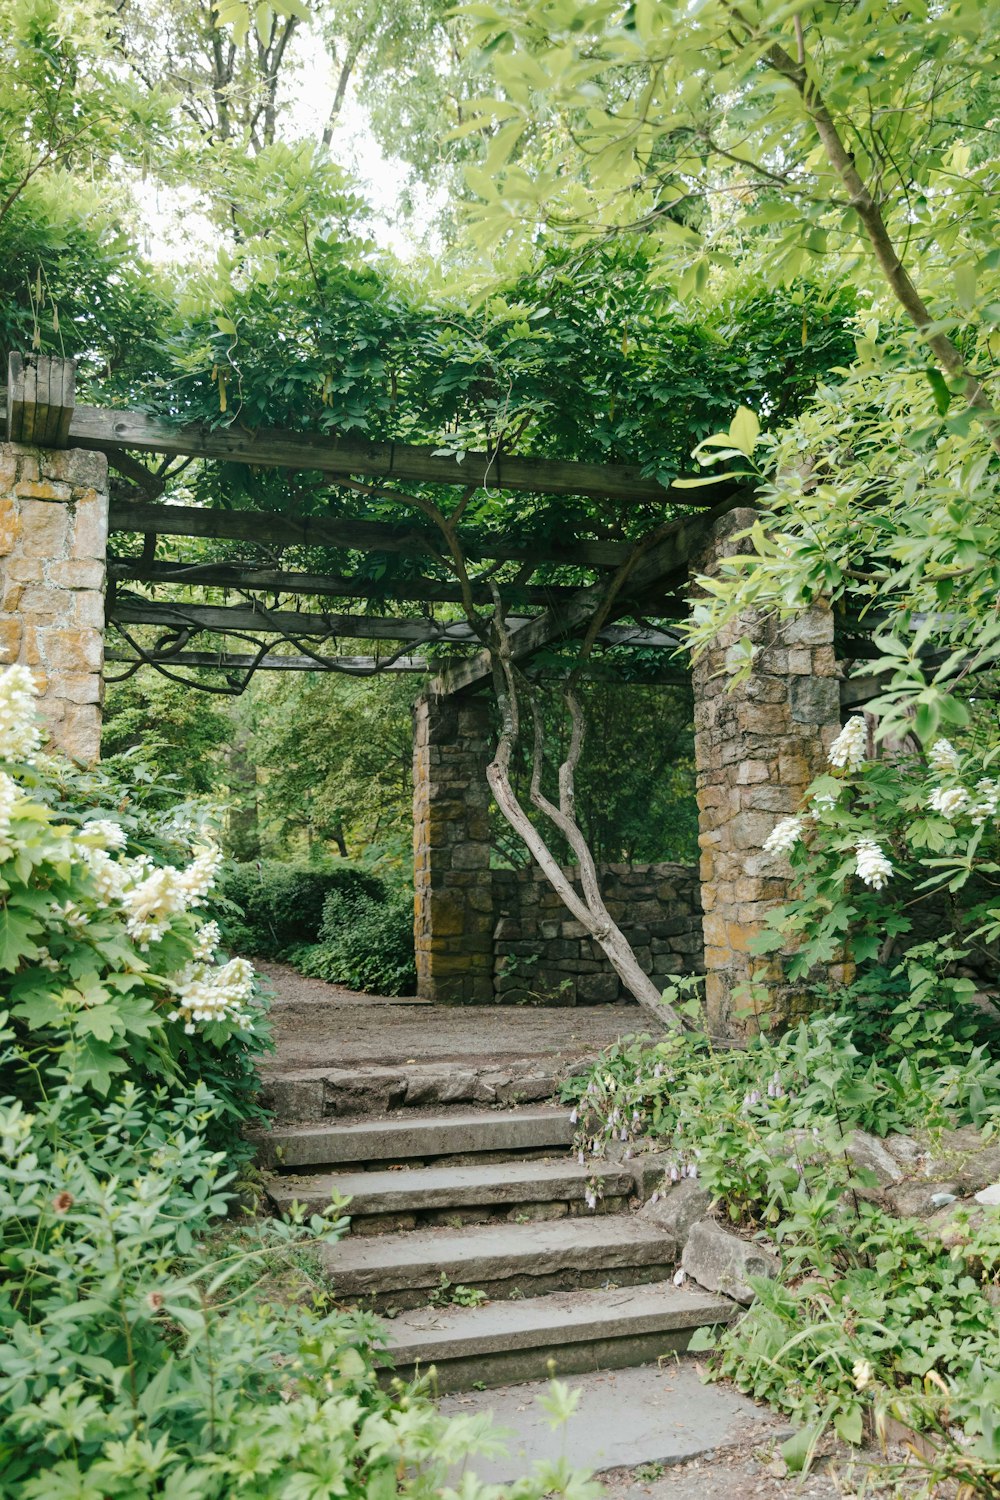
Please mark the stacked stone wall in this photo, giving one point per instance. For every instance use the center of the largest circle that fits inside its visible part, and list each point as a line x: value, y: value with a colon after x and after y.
x: 758, y: 745
x: 540, y: 954
x: 453, y: 902
x: 53, y: 547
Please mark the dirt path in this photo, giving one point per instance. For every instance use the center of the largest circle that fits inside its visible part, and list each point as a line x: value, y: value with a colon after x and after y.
x: 320, y: 1025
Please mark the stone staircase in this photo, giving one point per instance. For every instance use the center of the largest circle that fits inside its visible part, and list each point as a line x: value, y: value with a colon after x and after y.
x: 463, y: 1200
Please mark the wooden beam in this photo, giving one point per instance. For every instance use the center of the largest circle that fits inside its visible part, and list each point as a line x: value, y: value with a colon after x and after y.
x: 369, y: 666
x: 669, y: 556
x: 344, y: 534
x: 41, y: 394
x: 292, y: 623
x: 235, y: 575
x: 223, y: 661
x: 108, y: 431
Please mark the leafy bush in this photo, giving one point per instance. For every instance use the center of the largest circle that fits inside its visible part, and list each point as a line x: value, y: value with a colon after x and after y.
x: 365, y: 942
x: 279, y: 907
x: 137, y: 1356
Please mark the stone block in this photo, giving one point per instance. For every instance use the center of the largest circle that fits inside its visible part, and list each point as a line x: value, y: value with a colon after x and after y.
x: 815, y: 700
x: 90, y: 532
x: 677, y: 1208
x: 722, y: 1262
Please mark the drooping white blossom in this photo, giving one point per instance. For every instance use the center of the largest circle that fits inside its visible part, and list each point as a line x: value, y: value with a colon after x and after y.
x: 987, y: 801
x: 207, y: 939
x: 109, y: 876
x: 165, y: 892
x: 10, y: 793
x: 850, y: 749
x: 871, y: 864
x: 784, y: 836
x: 943, y: 757
x: 198, y: 878
x: 949, y: 801
x: 104, y: 834
x: 20, y: 735
x: 207, y: 992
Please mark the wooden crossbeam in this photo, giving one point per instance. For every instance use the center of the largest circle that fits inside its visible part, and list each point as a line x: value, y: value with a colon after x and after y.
x: 669, y: 557
x: 108, y: 431
x: 224, y: 661
x: 41, y: 392
x: 237, y: 575
x: 366, y: 666
x: 291, y: 623
x: 268, y: 529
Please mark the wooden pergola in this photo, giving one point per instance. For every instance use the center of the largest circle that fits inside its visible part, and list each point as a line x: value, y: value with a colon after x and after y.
x: 40, y: 406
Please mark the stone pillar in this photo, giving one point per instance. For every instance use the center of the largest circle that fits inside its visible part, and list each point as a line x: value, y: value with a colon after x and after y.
x: 53, y: 558
x: 757, y: 747
x: 453, y: 913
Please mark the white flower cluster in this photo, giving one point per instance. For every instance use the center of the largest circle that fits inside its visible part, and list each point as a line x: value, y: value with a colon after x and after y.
x: 20, y: 735
x: 988, y: 803
x: 944, y: 758
x: 850, y: 749
x: 103, y: 834
x: 207, y: 992
x: 871, y: 864
x: 110, y: 877
x: 165, y: 893
x: 949, y: 801
x: 208, y: 938
x: 784, y: 836
x: 10, y: 792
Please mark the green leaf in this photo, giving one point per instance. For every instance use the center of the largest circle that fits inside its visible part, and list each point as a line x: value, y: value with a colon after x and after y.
x: 744, y: 430
x: 18, y: 930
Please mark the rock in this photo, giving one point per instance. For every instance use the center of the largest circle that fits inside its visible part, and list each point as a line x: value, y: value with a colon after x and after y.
x: 915, y: 1200
x: 963, y: 1155
x: 868, y: 1154
x: 907, y: 1150
x: 722, y: 1262
x: 678, y: 1208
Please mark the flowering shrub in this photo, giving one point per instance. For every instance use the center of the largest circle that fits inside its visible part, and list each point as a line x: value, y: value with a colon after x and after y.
x: 106, y: 960
x: 885, y: 845
x: 137, y: 1358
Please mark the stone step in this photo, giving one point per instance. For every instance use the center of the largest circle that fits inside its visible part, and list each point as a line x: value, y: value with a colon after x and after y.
x: 399, y: 1271
x: 321, y: 1093
x: 419, y: 1138
x: 563, y: 1333
x: 387, y: 1201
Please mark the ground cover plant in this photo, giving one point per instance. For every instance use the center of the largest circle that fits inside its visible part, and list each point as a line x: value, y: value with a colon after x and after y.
x: 875, y: 1314
x: 139, y: 1355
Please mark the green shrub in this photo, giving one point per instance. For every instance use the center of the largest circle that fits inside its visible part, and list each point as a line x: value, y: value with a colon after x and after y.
x: 365, y: 942
x: 138, y: 1357
x: 279, y: 907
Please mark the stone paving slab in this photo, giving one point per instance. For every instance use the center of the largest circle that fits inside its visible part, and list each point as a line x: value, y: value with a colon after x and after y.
x: 435, y: 1333
x: 452, y: 1187
x: 483, y: 1255
x: 536, y: 1128
x: 651, y: 1415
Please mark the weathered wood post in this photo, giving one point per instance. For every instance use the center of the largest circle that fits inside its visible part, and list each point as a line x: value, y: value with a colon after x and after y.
x: 453, y: 893
x: 53, y: 552
x: 757, y: 747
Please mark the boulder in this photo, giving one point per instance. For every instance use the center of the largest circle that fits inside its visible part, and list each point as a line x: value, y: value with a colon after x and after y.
x: 963, y: 1155
x: 866, y: 1153
x: 915, y: 1200
x: 722, y: 1262
x: 677, y: 1208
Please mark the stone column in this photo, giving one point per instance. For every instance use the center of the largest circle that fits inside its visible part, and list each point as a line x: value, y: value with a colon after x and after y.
x: 453, y: 911
x: 53, y: 558
x: 757, y: 747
